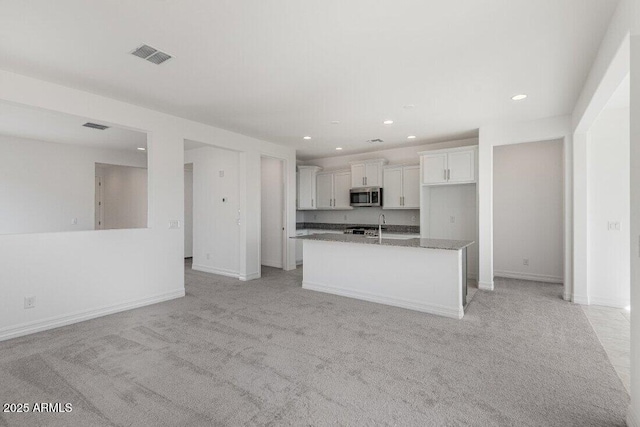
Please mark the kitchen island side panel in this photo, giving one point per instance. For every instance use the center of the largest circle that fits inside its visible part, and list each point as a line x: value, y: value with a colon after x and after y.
x: 427, y: 280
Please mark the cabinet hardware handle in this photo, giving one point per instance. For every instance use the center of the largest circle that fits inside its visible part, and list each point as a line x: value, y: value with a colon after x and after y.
x: 311, y: 202
x: 448, y: 174
x: 445, y: 174
x: 400, y: 200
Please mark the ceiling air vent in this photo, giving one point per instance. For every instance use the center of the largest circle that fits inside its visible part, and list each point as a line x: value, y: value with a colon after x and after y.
x: 95, y: 126
x: 151, y: 54
x: 375, y: 141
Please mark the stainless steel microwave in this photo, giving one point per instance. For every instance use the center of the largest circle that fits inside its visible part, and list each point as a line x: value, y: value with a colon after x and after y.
x: 369, y: 196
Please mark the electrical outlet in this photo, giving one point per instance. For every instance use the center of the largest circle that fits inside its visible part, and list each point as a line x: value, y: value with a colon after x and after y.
x: 613, y: 226
x: 74, y: 221
x: 452, y: 219
x: 413, y: 218
x: 525, y: 261
x: 315, y: 217
x: 221, y: 174
x: 174, y: 223
x: 208, y: 256
x: 29, y: 302
x: 345, y: 217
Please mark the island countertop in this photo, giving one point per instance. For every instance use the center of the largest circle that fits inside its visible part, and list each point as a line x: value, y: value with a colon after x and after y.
x: 451, y: 245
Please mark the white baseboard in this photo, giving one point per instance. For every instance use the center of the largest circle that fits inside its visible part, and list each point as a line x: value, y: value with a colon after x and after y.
x: 250, y: 276
x: 528, y: 276
x: 58, y: 321
x: 609, y: 302
x: 580, y: 299
x: 633, y: 419
x: 485, y: 286
x: 381, y: 299
x: 214, y: 270
x: 273, y: 264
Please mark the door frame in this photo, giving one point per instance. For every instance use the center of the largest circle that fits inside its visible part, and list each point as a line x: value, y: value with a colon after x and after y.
x: 283, y: 208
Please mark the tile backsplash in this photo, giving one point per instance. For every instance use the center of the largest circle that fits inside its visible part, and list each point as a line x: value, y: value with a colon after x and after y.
x: 363, y: 215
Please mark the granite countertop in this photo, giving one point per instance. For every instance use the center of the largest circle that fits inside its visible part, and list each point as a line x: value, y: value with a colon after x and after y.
x: 389, y: 228
x: 452, y: 245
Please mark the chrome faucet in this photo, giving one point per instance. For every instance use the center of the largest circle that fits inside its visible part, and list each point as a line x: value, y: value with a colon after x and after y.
x: 381, y: 220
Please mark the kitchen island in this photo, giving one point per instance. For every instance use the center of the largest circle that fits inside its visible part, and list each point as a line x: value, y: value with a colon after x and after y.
x: 427, y: 275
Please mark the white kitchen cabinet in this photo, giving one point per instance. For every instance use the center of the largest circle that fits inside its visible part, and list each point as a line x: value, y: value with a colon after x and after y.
x: 401, y: 189
x: 307, y: 187
x: 333, y: 190
x: 453, y: 166
x: 367, y: 173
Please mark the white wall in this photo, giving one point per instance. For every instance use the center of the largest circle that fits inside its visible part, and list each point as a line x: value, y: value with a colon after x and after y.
x: 123, y: 196
x: 271, y: 212
x: 122, y: 269
x: 188, y: 212
x: 527, y: 211
x: 608, y: 201
x: 44, y: 186
x: 452, y: 214
x: 216, y: 203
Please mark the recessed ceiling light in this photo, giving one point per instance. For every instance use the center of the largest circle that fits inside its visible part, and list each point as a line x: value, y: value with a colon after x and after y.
x: 335, y: 122
x: 142, y: 149
x: 628, y: 308
x: 388, y: 122
x: 519, y: 97
x: 411, y: 137
x: 338, y: 148
x: 306, y: 137
x: 408, y: 106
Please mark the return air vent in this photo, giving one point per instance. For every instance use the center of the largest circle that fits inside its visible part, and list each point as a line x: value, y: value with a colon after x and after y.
x: 375, y: 141
x: 151, y: 54
x: 95, y: 126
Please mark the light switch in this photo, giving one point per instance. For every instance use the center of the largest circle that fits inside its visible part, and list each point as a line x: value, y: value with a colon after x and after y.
x: 174, y: 223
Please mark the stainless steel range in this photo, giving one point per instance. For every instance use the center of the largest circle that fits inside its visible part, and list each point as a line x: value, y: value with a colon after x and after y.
x: 365, y: 231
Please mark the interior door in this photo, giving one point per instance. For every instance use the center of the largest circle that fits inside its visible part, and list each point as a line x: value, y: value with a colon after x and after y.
x: 324, y: 191
x: 341, y: 186
x: 411, y: 187
x: 392, y: 190
x: 434, y: 168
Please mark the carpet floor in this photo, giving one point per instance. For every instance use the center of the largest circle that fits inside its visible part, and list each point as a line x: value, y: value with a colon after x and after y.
x: 267, y: 352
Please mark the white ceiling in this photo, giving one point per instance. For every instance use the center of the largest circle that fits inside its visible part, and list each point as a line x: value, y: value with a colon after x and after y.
x: 279, y: 70
x: 49, y: 126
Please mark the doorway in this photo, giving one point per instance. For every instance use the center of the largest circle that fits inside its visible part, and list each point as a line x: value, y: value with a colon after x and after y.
x: 528, y: 208
x: 188, y: 210
x: 272, y: 250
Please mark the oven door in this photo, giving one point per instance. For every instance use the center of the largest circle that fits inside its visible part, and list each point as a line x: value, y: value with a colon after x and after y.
x: 360, y: 197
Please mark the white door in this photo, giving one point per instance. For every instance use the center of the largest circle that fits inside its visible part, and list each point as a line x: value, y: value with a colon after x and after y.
x: 411, y: 187
x: 434, y: 168
x: 272, y: 208
x: 372, y: 172
x: 341, y: 186
x: 324, y: 191
x: 188, y: 212
x: 99, y: 210
x: 461, y: 166
x: 392, y: 190
x: 357, y: 175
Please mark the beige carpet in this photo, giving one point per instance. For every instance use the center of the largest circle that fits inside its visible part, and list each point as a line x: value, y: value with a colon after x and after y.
x: 270, y: 353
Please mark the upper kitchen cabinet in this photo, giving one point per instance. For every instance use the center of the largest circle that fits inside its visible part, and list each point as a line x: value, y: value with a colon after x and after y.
x: 367, y: 173
x: 333, y: 190
x: 307, y: 186
x: 401, y: 189
x: 452, y: 166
